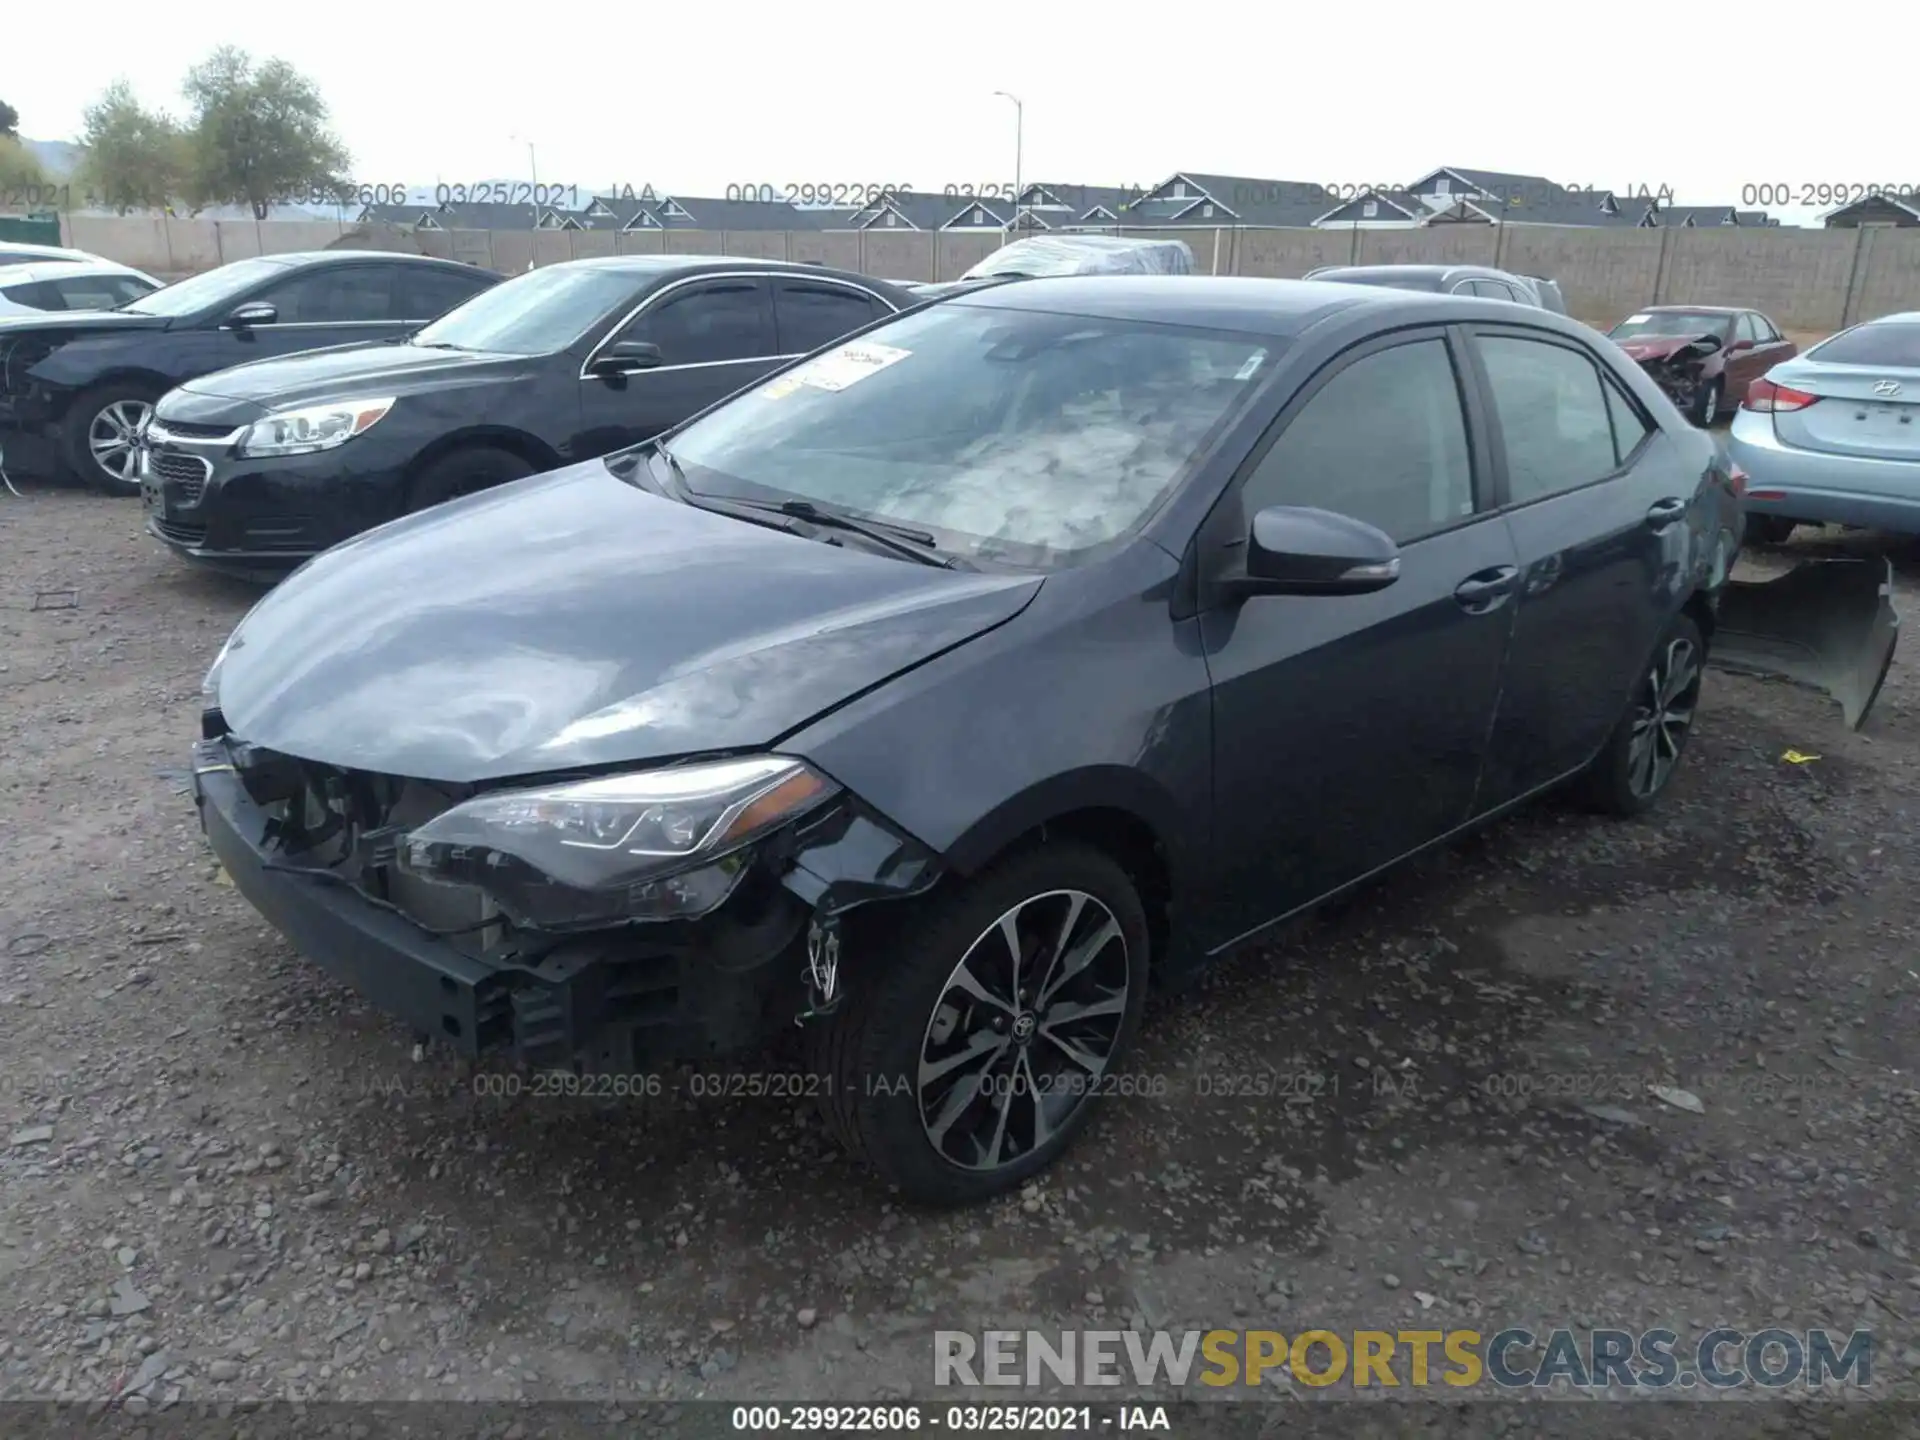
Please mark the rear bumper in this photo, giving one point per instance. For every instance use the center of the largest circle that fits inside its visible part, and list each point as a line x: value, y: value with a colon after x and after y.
x: 1823, y: 489
x: 615, y: 1000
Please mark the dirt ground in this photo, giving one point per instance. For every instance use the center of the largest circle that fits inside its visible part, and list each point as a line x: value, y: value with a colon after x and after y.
x: 222, y: 1175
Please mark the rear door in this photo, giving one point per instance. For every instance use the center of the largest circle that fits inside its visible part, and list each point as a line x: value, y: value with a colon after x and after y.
x: 1598, y: 516
x: 1349, y: 730
x: 1868, y: 381
x: 716, y: 333
x: 810, y: 313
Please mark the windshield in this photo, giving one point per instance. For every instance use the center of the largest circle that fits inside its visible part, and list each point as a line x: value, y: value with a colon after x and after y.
x: 190, y: 296
x: 1895, y: 346
x: 537, y: 313
x: 1672, y: 324
x: 1011, y: 435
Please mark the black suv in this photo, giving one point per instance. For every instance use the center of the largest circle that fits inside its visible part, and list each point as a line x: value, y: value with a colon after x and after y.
x: 76, y: 389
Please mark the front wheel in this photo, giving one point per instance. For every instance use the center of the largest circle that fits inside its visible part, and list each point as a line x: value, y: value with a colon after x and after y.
x: 463, y: 472
x: 1644, y: 750
x: 1706, y: 405
x: 101, y: 436
x: 980, y: 1027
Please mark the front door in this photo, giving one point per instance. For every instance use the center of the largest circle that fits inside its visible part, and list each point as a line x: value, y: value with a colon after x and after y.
x: 1350, y: 730
x: 715, y: 334
x: 319, y: 309
x: 1597, y: 505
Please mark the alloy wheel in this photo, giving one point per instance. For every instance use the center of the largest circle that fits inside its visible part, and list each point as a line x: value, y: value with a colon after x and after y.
x: 112, y: 437
x: 1662, y: 715
x: 1023, y: 1029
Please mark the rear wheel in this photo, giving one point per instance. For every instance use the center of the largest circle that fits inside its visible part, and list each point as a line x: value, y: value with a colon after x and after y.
x: 464, y: 472
x: 977, y: 1031
x: 99, y: 436
x: 1644, y: 750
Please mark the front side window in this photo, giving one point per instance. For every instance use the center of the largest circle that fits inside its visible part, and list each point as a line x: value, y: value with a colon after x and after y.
x: 1384, y: 441
x: 1011, y: 435
x: 713, y: 320
x: 1553, y: 416
x: 358, y: 293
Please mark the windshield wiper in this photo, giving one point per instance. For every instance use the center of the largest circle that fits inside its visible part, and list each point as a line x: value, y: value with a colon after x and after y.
x: 900, y: 539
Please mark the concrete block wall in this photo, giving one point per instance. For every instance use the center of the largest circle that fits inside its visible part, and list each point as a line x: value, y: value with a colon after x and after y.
x: 1804, y: 279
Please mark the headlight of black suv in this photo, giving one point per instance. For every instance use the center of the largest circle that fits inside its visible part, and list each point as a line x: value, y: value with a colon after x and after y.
x: 668, y: 844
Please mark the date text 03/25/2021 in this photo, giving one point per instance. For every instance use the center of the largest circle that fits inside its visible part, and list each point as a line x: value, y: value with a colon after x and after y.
x: 895, y: 1419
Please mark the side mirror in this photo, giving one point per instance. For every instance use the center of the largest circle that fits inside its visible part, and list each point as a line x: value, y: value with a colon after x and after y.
x: 256, y: 313
x: 625, y: 356
x: 1292, y: 550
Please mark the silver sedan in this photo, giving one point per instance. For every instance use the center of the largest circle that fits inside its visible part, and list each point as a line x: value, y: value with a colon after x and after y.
x: 1833, y: 435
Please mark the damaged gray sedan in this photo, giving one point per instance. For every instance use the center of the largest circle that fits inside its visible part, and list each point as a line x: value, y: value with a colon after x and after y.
x: 947, y: 690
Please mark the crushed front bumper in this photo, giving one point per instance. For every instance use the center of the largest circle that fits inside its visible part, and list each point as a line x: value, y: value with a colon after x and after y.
x: 624, y: 1000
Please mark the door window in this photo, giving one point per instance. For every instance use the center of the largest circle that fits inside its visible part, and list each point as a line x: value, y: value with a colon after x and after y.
x: 1383, y: 441
x: 710, y: 321
x: 813, y: 313
x: 1747, y: 330
x: 1553, y: 416
x: 359, y: 293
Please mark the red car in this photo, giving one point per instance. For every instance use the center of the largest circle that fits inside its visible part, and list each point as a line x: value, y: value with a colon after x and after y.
x: 1703, y: 356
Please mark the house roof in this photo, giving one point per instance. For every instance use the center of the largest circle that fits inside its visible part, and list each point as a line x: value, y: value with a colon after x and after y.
x: 1867, y: 203
x: 1669, y: 217
x: 918, y: 210
x: 1405, y: 203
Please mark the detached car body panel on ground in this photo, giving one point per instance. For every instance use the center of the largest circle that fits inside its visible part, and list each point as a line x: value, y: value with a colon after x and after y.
x: 76, y: 389
x: 1703, y: 356
x: 557, y: 365
x: 943, y: 687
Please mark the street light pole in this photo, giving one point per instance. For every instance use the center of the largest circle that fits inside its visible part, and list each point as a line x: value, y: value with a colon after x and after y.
x: 1019, y: 127
x: 533, y: 195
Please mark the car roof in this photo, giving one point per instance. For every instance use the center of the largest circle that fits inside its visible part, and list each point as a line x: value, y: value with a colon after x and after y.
x: 296, y: 258
x: 1259, y: 306
x: 1693, y: 309
x: 1412, y: 270
x: 675, y: 264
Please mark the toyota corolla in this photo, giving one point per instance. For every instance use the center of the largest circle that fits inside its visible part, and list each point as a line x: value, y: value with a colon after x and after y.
x: 949, y: 688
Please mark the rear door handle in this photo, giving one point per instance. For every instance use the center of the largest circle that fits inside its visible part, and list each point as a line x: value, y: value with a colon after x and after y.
x: 1485, y: 589
x: 1663, y: 513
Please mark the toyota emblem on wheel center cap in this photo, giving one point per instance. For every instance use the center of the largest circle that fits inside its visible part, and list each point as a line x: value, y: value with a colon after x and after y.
x: 1886, y: 387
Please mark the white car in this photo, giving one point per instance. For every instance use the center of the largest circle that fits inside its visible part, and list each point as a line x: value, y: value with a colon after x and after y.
x: 37, y: 286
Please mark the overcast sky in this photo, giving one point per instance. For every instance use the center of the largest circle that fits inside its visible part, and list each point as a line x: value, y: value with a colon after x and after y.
x: 1702, y: 99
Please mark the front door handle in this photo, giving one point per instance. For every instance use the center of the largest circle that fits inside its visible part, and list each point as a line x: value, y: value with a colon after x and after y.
x: 1485, y: 590
x: 1663, y: 513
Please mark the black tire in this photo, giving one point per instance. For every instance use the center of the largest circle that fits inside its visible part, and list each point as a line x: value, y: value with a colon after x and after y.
x: 1621, y: 781
x: 463, y: 472
x: 1769, y: 529
x: 99, y: 407
x: 1706, y: 403
x: 901, y: 990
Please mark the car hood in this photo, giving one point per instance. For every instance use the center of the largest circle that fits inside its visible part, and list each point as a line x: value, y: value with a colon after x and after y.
x: 347, y: 372
x: 77, y: 322
x: 1664, y: 347
x: 573, y: 620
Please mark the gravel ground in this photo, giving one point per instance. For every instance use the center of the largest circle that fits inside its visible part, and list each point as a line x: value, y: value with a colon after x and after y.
x: 222, y: 1175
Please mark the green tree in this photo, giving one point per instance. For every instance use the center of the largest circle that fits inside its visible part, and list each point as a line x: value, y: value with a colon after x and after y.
x: 9, y: 121
x: 135, y: 158
x: 259, y: 134
x: 21, y: 178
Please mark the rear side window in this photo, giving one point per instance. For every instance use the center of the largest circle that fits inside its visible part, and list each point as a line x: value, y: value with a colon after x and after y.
x: 41, y: 295
x: 811, y: 314
x: 1894, y: 344
x: 101, y: 292
x: 1384, y: 441
x: 1553, y: 416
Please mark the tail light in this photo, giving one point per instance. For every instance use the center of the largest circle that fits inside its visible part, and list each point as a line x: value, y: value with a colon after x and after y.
x: 1768, y: 398
x: 1737, y: 478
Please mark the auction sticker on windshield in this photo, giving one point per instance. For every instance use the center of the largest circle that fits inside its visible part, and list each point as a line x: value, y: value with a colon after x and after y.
x: 848, y: 365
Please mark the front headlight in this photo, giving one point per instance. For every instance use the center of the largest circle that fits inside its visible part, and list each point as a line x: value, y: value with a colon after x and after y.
x: 312, y: 427
x: 666, y: 844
